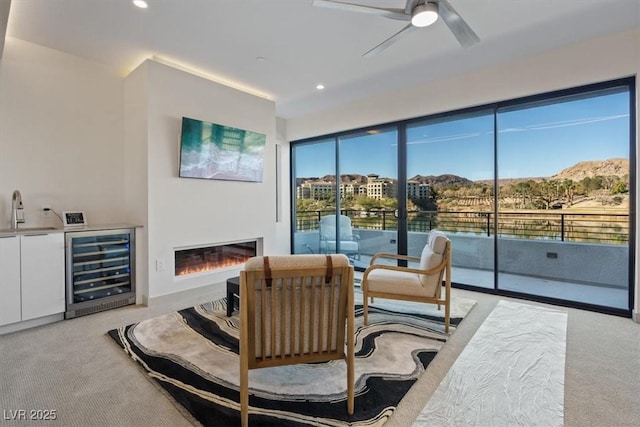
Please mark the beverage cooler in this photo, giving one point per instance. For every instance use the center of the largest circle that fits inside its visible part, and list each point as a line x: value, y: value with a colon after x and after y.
x: 100, y: 273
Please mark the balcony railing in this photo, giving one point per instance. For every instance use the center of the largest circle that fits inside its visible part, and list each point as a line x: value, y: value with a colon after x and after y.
x: 610, y: 228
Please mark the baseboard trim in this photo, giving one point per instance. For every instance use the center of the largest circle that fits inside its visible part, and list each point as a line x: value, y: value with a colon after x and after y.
x: 20, y: 326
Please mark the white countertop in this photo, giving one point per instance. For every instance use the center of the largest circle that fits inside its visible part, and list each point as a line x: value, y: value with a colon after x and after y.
x: 48, y: 230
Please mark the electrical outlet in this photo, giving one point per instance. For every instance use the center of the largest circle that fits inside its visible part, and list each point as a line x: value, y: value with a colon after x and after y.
x: 160, y: 265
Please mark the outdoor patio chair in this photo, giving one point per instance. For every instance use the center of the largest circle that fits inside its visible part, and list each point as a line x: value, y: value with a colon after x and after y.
x: 349, y: 243
x: 295, y: 309
x: 421, y: 284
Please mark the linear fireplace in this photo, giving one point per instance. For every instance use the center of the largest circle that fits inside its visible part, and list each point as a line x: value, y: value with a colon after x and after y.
x: 208, y: 258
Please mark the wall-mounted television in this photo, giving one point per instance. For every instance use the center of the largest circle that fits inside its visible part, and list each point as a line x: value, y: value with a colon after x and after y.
x: 213, y: 151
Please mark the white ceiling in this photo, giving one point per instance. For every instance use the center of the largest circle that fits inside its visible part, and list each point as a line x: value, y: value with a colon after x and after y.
x: 303, y: 45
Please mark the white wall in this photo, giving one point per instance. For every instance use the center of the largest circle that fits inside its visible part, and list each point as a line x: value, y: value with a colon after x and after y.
x: 190, y: 212
x: 601, y: 59
x: 597, y: 60
x: 60, y: 135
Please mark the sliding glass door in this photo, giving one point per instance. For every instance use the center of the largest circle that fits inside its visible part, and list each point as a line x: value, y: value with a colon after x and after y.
x: 563, y: 205
x: 313, y: 171
x: 346, y: 195
x: 368, y: 191
x: 536, y: 194
x: 450, y: 170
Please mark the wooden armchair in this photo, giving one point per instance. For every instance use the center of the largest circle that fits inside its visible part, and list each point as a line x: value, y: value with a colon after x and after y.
x: 421, y: 284
x: 295, y: 309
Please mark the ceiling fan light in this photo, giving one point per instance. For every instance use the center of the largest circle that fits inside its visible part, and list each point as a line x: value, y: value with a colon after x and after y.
x: 424, y: 15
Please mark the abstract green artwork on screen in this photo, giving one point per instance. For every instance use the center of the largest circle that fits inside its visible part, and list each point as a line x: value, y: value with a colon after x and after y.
x: 213, y: 151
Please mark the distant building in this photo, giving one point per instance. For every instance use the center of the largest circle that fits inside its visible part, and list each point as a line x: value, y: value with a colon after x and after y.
x: 416, y: 190
x: 303, y: 191
x: 380, y: 188
x: 375, y: 188
x: 316, y: 190
x: 352, y: 190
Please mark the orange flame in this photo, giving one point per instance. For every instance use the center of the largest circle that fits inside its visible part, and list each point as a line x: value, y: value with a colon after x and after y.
x: 212, y: 265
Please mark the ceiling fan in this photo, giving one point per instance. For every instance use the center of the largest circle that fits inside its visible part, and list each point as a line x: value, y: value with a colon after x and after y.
x: 419, y: 13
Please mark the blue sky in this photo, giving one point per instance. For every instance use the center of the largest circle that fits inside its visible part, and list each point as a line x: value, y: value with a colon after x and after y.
x: 533, y: 142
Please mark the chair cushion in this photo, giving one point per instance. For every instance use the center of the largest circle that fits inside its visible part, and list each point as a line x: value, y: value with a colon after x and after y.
x: 292, y: 261
x: 429, y: 259
x: 328, y: 227
x: 328, y: 230
x: 437, y: 240
x: 397, y: 282
x: 431, y: 256
x: 345, y: 246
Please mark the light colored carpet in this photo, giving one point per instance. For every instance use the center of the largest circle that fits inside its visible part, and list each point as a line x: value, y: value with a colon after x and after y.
x: 510, y: 373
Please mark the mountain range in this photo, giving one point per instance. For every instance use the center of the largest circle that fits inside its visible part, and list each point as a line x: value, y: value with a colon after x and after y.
x: 589, y: 169
x: 610, y: 167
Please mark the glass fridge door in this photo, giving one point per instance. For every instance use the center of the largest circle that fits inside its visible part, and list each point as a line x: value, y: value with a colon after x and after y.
x: 101, y: 266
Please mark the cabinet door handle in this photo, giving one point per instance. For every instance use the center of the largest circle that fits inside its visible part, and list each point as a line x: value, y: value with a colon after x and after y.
x: 7, y: 237
x: 33, y: 235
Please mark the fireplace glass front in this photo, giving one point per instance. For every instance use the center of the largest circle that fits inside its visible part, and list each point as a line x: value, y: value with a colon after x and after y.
x: 203, y: 259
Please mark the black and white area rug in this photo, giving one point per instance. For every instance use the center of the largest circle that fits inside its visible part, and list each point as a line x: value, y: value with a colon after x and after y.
x: 192, y: 355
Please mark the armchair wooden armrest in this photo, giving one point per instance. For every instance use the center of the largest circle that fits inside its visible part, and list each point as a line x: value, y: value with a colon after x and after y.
x: 392, y: 256
x: 433, y: 270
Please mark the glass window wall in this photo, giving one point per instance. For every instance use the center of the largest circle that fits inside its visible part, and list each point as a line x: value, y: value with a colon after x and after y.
x: 450, y: 170
x: 563, y: 205
x: 314, y: 192
x: 536, y: 194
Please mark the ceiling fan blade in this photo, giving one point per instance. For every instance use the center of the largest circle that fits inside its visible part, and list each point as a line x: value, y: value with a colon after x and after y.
x: 463, y: 32
x: 386, y: 12
x: 391, y: 40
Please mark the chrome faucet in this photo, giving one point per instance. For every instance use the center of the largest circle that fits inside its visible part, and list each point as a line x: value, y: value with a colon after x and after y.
x: 17, y: 210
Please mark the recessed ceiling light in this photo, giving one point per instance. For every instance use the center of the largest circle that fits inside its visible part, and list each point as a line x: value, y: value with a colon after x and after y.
x: 141, y: 4
x: 319, y: 86
x: 260, y: 58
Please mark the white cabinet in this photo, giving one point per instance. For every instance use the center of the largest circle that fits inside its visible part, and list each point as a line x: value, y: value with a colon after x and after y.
x: 42, y: 273
x: 10, y: 305
x: 31, y: 276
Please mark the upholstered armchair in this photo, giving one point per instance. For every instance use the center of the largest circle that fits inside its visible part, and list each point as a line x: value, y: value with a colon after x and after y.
x: 349, y: 242
x: 296, y: 309
x: 423, y: 283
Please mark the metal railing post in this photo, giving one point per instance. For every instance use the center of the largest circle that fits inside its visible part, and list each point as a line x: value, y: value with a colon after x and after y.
x: 488, y: 224
x: 562, y: 227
